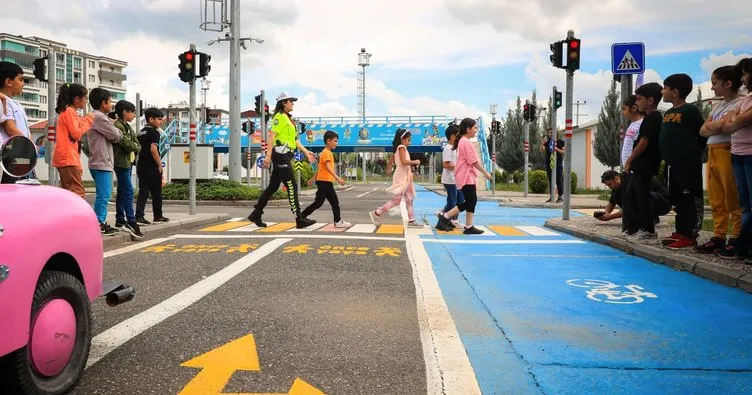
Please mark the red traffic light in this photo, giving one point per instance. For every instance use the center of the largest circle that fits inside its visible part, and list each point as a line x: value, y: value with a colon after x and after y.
x: 574, y: 44
x: 189, y: 56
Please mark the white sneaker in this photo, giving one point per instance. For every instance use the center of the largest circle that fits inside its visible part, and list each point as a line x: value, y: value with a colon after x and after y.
x: 642, y: 236
x: 374, y: 218
x: 458, y: 224
x: 342, y: 224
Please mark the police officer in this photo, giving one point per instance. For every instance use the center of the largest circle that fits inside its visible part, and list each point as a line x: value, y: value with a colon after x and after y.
x: 279, y: 155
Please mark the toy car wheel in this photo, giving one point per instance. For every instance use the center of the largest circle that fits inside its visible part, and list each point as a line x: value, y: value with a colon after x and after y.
x: 59, y: 338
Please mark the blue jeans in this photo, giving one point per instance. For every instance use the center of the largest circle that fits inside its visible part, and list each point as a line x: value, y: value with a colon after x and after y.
x: 454, y: 197
x: 742, y: 165
x: 124, y: 202
x: 103, y: 183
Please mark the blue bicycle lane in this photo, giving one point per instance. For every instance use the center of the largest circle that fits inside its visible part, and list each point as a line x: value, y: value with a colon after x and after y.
x: 553, y: 314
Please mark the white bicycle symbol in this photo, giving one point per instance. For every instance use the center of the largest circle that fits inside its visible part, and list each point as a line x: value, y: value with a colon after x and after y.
x: 606, y: 291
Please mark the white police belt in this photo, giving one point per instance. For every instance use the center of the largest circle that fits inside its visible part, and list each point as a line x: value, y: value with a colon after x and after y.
x: 282, y: 149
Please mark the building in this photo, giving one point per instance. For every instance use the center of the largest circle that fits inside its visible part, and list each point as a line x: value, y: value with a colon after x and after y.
x: 72, y: 66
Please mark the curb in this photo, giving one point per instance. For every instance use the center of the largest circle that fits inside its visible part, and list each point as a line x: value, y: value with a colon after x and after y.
x: 151, y: 232
x: 709, y: 270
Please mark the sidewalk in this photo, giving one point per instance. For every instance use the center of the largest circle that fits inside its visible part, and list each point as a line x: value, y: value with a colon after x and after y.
x: 731, y: 273
x: 177, y: 222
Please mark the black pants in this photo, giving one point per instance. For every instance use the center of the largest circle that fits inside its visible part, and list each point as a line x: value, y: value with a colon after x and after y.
x: 325, y: 192
x: 149, y: 183
x: 628, y: 220
x: 640, y: 203
x: 684, y: 184
x: 471, y: 199
x: 559, y: 179
x: 281, y: 173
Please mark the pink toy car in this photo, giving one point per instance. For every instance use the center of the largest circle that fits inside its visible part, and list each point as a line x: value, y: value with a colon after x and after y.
x: 51, y: 260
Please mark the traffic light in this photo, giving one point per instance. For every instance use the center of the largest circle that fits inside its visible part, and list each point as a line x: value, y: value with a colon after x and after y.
x: 556, y: 54
x: 257, y: 105
x: 251, y: 127
x: 40, y: 71
x: 244, y: 127
x: 496, y: 127
x: 573, y: 54
x: 187, y: 66
x: 206, y: 115
x: 526, y: 112
x: 302, y: 128
x: 533, y: 113
x: 266, y: 111
x: 203, y: 66
x: 557, y: 100
x: 141, y: 107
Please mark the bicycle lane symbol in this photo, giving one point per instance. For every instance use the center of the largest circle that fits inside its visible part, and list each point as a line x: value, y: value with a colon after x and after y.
x: 608, y: 292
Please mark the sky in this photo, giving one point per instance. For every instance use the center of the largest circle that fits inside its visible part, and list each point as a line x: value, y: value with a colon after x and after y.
x: 429, y: 57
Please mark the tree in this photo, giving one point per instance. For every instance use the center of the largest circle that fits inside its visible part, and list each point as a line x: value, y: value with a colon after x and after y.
x: 510, y: 152
x: 537, y: 158
x: 606, y: 143
x: 705, y: 108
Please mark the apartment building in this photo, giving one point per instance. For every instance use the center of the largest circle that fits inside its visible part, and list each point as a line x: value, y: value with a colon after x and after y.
x: 72, y: 66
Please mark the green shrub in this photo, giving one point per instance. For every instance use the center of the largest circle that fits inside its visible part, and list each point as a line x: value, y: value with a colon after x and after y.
x: 537, y: 181
x: 573, y: 183
x: 502, y: 177
x: 215, y: 190
x: 518, y: 176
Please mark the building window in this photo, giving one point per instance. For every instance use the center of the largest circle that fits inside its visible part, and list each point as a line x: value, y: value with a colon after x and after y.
x: 92, y: 78
x: 43, y: 99
x: 112, y: 83
x: 60, y: 75
x: 92, y: 65
x: 60, y: 58
x: 77, y: 63
x: 43, y: 114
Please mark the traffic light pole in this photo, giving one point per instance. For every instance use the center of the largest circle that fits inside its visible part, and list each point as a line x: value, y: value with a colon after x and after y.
x: 192, y: 145
x: 51, y: 116
x: 626, y: 90
x: 265, y: 138
x: 234, y: 148
x: 527, y: 151
x: 568, y: 140
x: 494, y: 130
x: 554, y: 136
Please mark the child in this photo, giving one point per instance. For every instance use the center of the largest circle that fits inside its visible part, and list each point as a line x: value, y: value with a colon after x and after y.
x: 681, y: 147
x: 722, y: 193
x: 629, y: 224
x: 125, y: 155
x: 325, y: 178
x: 101, y: 157
x: 550, y: 146
x: 449, y: 159
x: 70, y: 129
x: 149, y: 168
x: 642, y: 164
x: 13, y: 121
x: 465, y: 178
x: 402, y: 181
x: 740, y: 125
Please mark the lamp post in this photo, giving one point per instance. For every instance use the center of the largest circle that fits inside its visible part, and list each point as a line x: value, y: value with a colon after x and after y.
x: 363, y: 61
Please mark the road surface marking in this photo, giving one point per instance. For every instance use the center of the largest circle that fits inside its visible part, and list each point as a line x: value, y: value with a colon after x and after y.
x: 280, y: 227
x: 506, y: 230
x: 309, y: 228
x: 225, y: 226
x: 331, y: 228
x: 553, y: 256
x: 303, y: 249
x: 250, y: 227
x: 116, y: 336
x: 448, y: 369
x: 497, y: 241
x: 236, y: 219
x: 289, y: 235
x: 391, y: 229
x: 536, y: 231
x: 367, y: 192
x: 459, y: 232
x: 362, y: 228
x: 134, y: 247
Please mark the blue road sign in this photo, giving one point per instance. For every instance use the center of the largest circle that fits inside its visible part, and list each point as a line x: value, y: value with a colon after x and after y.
x: 298, y: 155
x: 260, y: 162
x: 628, y: 58
x: 164, y: 164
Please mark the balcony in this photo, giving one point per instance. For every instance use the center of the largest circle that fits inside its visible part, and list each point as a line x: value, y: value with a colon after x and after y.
x: 105, y: 75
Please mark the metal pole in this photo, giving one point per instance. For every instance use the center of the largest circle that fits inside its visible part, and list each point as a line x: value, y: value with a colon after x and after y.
x: 265, y: 137
x: 568, y: 140
x: 527, y: 150
x: 248, y: 154
x: 554, y: 136
x: 138, y: 129
x: 192, y: 145
x: 51, y: 116
x: 234, y: 148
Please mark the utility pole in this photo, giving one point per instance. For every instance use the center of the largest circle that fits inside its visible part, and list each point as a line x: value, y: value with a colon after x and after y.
x: 577, y: 114
x: 493, y: 148
x: 264, y: 138
x: 552, y: 144
x: 527, y: 147
x: 192, y: 144
x: 51, y: 116
x: 568, y: 138
x: 363, y: 61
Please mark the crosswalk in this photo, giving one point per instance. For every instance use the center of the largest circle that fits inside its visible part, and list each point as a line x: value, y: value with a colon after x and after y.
x: 240, y: 225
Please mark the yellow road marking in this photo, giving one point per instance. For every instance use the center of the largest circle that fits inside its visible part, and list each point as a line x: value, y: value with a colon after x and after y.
x: 506, y: 230
x: 280, y: 227
x: 391, y: 229
x: 225, y: 226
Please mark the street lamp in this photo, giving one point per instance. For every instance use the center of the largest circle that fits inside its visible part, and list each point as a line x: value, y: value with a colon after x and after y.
x: 363, y: 61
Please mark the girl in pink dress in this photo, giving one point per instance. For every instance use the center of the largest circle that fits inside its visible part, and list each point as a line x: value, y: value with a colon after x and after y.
x: 402, y: 181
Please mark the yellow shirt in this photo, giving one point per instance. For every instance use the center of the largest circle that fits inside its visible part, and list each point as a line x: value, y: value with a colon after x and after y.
x: 322, y: 174
x: 284, y: 130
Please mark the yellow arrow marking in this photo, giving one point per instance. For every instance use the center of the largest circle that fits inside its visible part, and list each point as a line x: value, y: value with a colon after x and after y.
x: 218, y: 365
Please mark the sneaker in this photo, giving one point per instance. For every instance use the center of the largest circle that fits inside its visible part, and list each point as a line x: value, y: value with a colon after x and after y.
x: 549, y: 200
x: 301, y: 223
x: 107, y: 230
x: 559, y: 200
x: 374, y: 218
x: 134, y: 230
x: 162, y: 219
x: 685, y: 242
x: 642, y: 236
x: 729, y: 252
x: 671, y: 239
x: 711, y: 245
x: 472, y: 230
x: 119, y: 224
x: 342, y: 224
x: 413, y: 224
x: 142, y: 221
x: 456, y: 224
x: 255, y: 217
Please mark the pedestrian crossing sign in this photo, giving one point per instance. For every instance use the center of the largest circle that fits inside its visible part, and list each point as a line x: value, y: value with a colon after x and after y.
x: 628, y: 58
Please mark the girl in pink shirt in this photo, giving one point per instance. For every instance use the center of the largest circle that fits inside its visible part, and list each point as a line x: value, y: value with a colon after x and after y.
x: 402, y: 181
x: 465, y: 177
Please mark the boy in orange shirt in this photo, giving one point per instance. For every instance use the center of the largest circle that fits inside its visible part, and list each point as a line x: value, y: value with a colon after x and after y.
x: 325, y: 178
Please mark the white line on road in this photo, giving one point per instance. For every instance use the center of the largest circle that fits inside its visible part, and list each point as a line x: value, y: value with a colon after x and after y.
x: 116, y: 336
x: 289, y: 235
x: 468, y: 240
x: 135, y: 247
x: 448, y: 368
x: 536, y: 231
x: 238, y: 219
x: 367, y: 192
